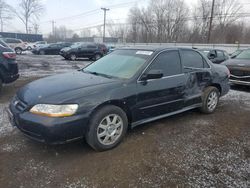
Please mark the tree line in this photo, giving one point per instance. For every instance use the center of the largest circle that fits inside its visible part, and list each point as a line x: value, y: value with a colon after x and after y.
x: 164, y: 21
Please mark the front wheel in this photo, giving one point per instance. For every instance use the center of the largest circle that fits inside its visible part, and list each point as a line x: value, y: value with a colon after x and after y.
x: 107, y: 128
x: 210, y: 100
x: 42, y: 52
x: 73, y: 57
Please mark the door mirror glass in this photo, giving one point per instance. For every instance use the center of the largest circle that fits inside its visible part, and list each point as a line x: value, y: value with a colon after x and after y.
x: 153, y: 74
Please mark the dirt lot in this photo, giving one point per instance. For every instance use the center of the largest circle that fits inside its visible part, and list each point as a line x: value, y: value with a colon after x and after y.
x: 186, y: 150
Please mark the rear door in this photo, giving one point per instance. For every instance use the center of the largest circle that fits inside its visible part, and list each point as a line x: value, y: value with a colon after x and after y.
x: 164, y: 95
x: 198, y: 76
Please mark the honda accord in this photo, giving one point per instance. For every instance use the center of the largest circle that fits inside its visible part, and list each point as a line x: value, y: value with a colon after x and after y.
x: 124, y: 89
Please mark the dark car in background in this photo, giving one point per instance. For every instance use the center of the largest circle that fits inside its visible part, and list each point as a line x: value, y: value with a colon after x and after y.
x: 215, y: 55
x: 8, y: 65
x: 93, y: 51
x: 51, y: 49
x: 125, y: 88
x: 239, y: 68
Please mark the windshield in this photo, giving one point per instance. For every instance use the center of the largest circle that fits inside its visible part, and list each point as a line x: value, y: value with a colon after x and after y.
x: 243, y: 55
x: 2, y: 43
x: 120, y: 64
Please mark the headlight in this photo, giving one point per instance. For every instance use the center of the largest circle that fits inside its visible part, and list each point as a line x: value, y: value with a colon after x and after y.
x: 54, y: 110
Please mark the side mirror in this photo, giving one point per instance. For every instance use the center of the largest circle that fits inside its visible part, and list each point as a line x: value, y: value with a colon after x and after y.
x: 152, y: 74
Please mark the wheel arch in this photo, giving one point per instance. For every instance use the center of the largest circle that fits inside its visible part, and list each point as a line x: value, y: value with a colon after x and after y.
x: 117, y: 103
x: 218, y: 86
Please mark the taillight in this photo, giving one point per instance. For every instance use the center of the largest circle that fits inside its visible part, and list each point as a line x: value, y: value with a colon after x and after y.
x: 9, y: 55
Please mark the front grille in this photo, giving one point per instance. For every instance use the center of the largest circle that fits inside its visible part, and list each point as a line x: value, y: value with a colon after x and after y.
x: 240, y: 79
x: 19, y: 105
x: 240, y: 73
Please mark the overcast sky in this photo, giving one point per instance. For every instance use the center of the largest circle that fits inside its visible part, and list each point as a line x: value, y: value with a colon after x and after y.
x: 64, y: 13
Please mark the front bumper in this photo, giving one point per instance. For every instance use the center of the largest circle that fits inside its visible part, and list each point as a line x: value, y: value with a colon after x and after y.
x: 49, y: 130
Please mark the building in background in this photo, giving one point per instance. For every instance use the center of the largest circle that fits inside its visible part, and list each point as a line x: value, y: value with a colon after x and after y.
x: 24, y: 37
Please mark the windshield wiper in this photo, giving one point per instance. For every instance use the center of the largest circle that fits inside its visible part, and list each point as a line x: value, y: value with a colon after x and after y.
x: 99, y: 74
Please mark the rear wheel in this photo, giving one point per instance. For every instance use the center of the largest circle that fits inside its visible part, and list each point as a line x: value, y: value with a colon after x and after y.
x: 107, y: 128
x: 18, y: 51
x: 97, y: 56
x: 210, y: 100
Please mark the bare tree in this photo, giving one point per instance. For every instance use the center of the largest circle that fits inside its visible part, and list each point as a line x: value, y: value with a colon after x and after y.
x: 29, y: 10
x: 5, y: 13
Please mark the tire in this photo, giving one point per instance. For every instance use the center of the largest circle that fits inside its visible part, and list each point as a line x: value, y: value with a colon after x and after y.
x: 18, y: 51
x: 101, y: 132
x: 210, y: 100
x: 29, y: 48
x: 42, y: 52
x: 97, y: 56
x: 73, y: 57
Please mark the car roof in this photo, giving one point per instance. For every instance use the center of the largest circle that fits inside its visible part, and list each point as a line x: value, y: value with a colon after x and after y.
x: 154, y: 48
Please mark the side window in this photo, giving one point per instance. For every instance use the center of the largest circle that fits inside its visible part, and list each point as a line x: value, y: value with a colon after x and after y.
x: 91, y: 46
x: 168, y: 62
x: 192, y: 59
x: 220, y: 54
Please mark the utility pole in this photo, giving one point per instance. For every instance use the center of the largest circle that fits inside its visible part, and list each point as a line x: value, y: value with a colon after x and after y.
x: 211, y: 22
x: 104, y: 24
x: 53, y: 27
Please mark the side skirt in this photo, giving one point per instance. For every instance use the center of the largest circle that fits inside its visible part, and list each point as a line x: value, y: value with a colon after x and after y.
x: 133, y: 125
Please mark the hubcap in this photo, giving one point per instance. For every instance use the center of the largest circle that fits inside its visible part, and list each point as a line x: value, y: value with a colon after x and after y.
x: 73, y: 57
x: 212, y: 101
x: 110, y: 129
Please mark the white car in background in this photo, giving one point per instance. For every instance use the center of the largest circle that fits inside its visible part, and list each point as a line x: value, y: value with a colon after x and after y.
x: 31, y: 46
x: 16, y: 44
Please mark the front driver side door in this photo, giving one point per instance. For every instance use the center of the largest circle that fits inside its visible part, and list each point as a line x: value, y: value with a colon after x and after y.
x: 165, y: 95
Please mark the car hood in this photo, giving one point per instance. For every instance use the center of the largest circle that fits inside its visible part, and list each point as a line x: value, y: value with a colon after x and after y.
x: 237, y: 63
x: 61, y: 88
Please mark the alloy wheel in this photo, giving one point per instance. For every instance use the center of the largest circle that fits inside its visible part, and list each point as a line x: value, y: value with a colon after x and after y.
x: 110, y: 129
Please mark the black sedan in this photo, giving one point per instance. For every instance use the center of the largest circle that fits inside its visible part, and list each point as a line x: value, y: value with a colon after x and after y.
x: 93, y: 51
x: 126, y: 88
x: 239, y: 68
x: 215, y: 55
x: 51, y: 49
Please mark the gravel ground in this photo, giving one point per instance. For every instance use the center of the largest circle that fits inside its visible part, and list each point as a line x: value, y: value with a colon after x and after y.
x: 186, y: 150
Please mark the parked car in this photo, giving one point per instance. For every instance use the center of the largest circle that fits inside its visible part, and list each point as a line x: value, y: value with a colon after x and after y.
x: 51, y: 49
x: 16, y: 44
x: 215, y: 55
x: 8, y: 65
x: 126, y: 88
x: 31, y: 46
x: 92, y: 51
x: 240, y: 68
